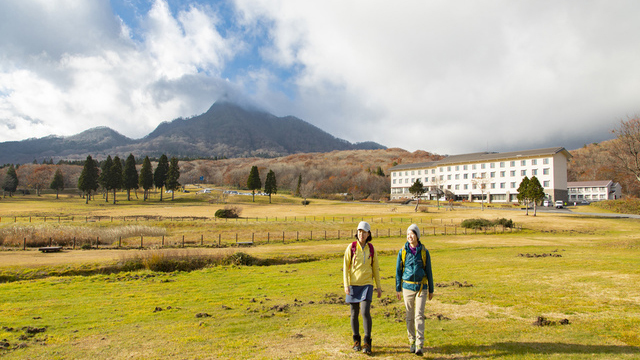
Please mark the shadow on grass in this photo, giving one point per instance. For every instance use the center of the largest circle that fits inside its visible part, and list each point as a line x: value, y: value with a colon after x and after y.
x: 508, y: 349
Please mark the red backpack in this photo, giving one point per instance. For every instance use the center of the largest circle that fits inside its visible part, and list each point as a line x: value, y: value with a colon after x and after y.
x: 353, y: 251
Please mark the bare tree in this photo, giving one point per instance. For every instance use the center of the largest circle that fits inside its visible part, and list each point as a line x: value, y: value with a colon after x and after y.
x: 627, y: 147
x: 481, y: 183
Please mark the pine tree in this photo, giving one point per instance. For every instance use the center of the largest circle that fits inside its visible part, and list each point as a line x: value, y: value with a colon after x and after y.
x: 270, y: 184
x: 417, y: 189
x: 146, y: 177
x: 10, y: 183
x: 173, y: 174
x: 130, y: 175
x: 536, y: 193
x: 115, y: 177
x: 253, y: 182
x: 105, y: 175
x: 160, y: 175
x: 57, y: 183
x: 88, y: 180
x: 523, y: 193
x: 299, y: 185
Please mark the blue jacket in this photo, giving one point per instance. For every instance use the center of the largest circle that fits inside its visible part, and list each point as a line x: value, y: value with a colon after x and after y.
x: 413, y: 270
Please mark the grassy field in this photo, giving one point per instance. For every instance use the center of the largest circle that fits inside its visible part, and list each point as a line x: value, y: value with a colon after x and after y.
x: 491, y: 289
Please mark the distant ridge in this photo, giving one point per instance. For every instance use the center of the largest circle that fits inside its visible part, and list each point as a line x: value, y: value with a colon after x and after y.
x: 225, y: 130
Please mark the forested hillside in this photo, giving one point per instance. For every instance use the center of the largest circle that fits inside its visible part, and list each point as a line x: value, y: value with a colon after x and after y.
x: 596, y: 162
x: 360, y: 173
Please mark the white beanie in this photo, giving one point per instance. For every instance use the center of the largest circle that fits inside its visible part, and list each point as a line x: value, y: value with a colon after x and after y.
x: 363, y: 225
x: 415, y: 229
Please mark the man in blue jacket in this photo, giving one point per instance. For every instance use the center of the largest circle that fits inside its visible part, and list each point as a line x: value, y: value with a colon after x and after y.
x: 413, y: 271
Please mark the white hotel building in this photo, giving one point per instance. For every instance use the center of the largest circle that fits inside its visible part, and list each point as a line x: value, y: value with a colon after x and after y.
x: 499, y: 173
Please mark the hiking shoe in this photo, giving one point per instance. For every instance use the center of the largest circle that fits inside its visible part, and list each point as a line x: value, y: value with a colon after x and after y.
x: 356, y: 346
x: 419, y: 352
x: 366, y: 349
x: 412, y: 348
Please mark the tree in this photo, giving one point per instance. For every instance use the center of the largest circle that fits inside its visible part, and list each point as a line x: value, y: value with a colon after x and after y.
x: 523, y: 193
x: 146, y: 177
x: 536, y: 193
x: 270, y: 185
x: 57, y: 183
x: 105, y: 175
x: 39, y: 177
x: 173, y: 174
x: 417, y: 189
x: 253, y: 182
x: 160, y: 175
x: 627, y: 147
x: 88, y: 180
x: 481, y: 183
x: 299, y: 185
x: 130, y: 176
x: 115, y: 177
x: 10, y: 183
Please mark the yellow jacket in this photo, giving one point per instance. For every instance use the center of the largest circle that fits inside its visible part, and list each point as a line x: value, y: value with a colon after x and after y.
x: 360, y: 272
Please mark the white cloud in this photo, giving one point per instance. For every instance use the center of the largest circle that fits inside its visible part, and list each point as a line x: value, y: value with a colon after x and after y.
x: 443, y: 76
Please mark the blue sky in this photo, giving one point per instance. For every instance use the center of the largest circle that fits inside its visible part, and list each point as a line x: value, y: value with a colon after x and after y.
x: 442, y: 76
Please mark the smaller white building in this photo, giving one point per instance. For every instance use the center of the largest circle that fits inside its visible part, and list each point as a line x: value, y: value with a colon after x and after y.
x: 593, y: 190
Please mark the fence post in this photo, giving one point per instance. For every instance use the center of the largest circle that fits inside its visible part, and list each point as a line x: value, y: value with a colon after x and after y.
x: 338, y: 233
x: 50, y: 241
x: 24, y: 244
x: 325, y: 234
x: 182, y: 240
x: 141, y: 241
x: 120, y: 241
x: 267, y: 237
x: 283, y: 235
x: 74, y: 243
x: 252, y: 238
x: 202, y: 240
x: 311, y: 235
x: 236, y: 238
x: 297, y: 237
x: 219, y: 239
x: 163, y: 240
x: 97, y: 242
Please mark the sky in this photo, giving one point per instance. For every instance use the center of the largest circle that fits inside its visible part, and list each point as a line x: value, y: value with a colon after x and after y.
x: 448, y: 77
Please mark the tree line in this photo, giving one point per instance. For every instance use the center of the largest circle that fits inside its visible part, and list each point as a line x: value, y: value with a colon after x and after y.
x: 114, y: 175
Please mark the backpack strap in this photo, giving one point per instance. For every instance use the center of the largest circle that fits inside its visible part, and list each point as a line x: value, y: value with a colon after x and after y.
x: 353, y: 251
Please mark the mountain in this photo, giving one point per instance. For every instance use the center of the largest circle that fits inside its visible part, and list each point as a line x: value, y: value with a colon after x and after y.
x: 225, y: 130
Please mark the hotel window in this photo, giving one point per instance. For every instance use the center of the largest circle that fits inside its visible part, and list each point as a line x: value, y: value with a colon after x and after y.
x: 394, y: 181
x: 493, y: 185
x: 448, y: 168
x: 545, y: 171
x: 406, y: 181
x: 545, y: 161
x: 449, y: 177
x: 523, y: 163
x: 534, y: 172
x: 433, y: 179
x: 413, y: 172
x: 473, y: 167
x: 419, y: 172
x: 493, y: 174
x: 523, y: 172
x: 483, y: 175
x: 473, y: 186
x: 406, y: 173
x: 534, y: 161
x: 482, y: 166
x: 426, y: 179
x: 466, y: 186
x: 457, y: 186
x: 457, y: 167
x: 545, y: 183
x: 465, y: 167
x: 441, y: 177
x: 433, y: 171
x: 465, y: 176
x: 492, y: 165
x: 512, y: 173
x: 512, y: 163
x: 503, y: 185
x: 502, y: 164
x: 503, y: 173
x: 441, y: 169
x: 513, y: 184
x: 473, y: 176
x: 457, y: 176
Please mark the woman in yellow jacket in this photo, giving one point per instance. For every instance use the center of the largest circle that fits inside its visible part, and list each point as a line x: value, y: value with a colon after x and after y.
x: 360, y: 270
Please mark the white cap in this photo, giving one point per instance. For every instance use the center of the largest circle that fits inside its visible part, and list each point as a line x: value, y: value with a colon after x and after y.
x: 415, y: 229
x: 364, y: 226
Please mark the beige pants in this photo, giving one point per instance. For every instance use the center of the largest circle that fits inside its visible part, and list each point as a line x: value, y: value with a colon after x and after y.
x: 415, y: 315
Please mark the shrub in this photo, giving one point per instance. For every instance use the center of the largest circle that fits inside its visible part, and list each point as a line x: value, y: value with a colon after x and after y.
x: 306, y: 202
x: 476, y: 223
x: 484, y: 223
x: 423, y: 209
x: 504, y: 222
x: 229, y: 212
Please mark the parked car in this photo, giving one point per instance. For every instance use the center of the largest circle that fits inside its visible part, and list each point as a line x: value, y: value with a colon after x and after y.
x: 559, y: 204
x: 546, y: 203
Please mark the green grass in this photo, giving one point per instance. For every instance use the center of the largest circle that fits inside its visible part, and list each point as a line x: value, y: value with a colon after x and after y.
x: 286, y: 311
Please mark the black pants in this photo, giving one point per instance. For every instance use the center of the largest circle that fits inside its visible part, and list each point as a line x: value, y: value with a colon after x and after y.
x: 364, y: 308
